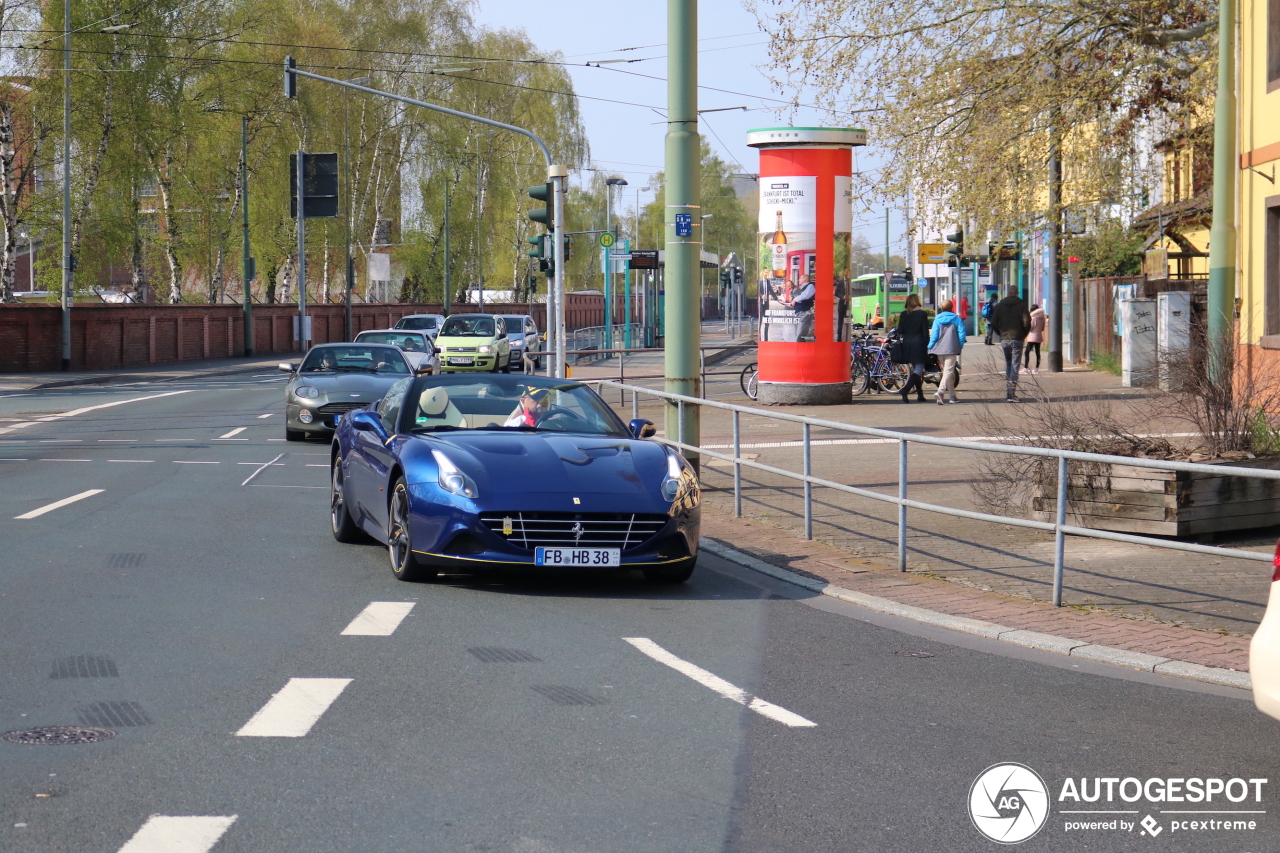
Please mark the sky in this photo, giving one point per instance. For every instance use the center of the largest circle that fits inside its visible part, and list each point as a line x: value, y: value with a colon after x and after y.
x: 627, y: 138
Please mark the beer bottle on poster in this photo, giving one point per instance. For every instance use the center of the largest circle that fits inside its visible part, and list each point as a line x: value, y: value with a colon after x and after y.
x: 778, y: 243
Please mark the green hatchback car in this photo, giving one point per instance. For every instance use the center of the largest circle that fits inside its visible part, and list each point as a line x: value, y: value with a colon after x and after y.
x: 474, y: 342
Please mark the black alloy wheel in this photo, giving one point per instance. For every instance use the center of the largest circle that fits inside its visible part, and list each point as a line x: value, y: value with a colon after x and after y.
x: 404, y: 565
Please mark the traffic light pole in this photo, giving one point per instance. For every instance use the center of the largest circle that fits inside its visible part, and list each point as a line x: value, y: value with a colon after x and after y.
x: 246, y: 275
x: 683, y: 224
x: 302, y: 254
x: 555, y: 174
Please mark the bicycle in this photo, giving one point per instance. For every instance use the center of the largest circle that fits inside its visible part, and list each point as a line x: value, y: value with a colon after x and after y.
x: 749, y: 380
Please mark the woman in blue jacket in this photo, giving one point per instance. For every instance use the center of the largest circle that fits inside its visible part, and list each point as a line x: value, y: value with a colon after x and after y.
x: 945, y: 341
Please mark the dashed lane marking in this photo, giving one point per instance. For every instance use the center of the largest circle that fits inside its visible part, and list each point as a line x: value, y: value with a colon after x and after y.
x: 51, y: 459
x: 232, y: 434
x: 379, y: 619
x: 270, y: 486
x: 295, y: 709
x: 166, y: 834
x: 116, y: 440
x: 61, y: 440
x: 35, y: 513
x: 186, y: 462
x: 718, y: 684
x: 130, y: 460
x: 262, y: 468
x: 267, y: 415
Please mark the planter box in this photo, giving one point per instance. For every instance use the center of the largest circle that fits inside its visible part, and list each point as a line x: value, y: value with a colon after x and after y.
x: 1128, y: 499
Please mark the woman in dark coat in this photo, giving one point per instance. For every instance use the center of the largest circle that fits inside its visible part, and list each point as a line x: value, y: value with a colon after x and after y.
x: 913, y: 330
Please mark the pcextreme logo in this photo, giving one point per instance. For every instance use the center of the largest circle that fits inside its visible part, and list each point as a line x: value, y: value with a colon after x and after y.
x: 1008, y: 803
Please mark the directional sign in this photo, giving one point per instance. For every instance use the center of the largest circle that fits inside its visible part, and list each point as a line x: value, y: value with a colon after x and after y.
x: 684, y: 224
x: 607, y: 239
x: 932, y: 253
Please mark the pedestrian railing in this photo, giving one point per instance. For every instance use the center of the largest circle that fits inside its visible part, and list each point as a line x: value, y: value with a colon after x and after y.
x: 590, y: 343
x: 1059, y: 527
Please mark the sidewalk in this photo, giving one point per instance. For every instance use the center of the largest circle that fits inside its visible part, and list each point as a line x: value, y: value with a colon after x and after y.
x: 141, y: 373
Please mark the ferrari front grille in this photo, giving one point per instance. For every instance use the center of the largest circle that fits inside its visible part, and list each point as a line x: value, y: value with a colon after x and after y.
x: 583, y: 529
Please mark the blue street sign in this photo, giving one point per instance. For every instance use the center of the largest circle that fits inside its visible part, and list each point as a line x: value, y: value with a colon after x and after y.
x: 684, y: 224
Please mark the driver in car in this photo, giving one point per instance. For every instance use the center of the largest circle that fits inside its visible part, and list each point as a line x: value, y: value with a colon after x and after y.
x: 533, y: 407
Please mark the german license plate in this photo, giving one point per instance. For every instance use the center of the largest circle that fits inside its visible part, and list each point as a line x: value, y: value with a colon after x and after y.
x: 462, y: 361
x: 578, y: 556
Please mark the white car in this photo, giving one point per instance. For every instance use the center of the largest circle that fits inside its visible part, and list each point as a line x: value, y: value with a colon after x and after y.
x: 429, y: 323
x: 418, y: 347
x: 1264, y: 650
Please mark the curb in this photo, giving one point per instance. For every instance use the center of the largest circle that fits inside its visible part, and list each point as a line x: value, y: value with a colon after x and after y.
x: 991, y: 630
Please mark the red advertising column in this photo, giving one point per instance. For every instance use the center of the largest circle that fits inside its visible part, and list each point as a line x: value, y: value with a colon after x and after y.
x: 806, y: 224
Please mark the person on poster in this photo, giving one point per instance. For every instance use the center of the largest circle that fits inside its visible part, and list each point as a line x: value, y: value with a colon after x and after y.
x: 802, y: 303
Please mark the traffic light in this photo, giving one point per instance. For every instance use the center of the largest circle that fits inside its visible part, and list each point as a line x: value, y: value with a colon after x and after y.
x: 955, y: 246
x: 726, y: 280
x: 543, y: 215
x: 290, y: 79
x: 541, y: 252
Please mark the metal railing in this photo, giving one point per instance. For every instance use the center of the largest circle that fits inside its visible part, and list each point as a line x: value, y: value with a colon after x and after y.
x: 703, y: 363
x: 1059, y: 527
x: 591, y: 343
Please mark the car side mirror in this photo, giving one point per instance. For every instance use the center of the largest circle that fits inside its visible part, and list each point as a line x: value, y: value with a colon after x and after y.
x: 640, y: 428
x: 286, y: 367
x: 367, y: 421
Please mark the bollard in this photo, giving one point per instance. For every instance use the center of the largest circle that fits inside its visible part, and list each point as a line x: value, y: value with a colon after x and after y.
x: 808, y: 486
x: 1059, y: 538
x: 737, y: 468
x: 902, y: 508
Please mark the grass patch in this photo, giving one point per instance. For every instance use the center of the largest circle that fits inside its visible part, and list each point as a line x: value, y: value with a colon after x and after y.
x: 1105, y: 363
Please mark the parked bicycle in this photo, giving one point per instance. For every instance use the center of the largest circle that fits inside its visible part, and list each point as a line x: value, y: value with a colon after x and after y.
x: 749, y: 381
x: 871, y: 366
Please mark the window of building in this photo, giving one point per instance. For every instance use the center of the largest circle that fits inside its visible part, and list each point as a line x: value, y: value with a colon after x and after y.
x: 1273, y: 45
x: 1271, y: 272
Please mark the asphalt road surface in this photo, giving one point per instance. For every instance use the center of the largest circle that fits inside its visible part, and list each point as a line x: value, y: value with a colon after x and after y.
x: 273, y: 690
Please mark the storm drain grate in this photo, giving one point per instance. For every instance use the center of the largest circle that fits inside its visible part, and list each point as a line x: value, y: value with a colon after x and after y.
x: 914, y: 654
x: 84, y: 666
x: 497, y: 654
x: 113, y: 714
x: 562, y: 695
x: 125, y: 561
x: 57, y: 735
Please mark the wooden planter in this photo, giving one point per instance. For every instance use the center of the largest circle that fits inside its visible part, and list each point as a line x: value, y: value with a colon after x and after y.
x: 1129, y: 499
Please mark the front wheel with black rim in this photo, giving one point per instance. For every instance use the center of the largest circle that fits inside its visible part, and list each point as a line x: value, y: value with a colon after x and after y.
x: 343, y: 525
x: 670, y: 574
x: 404, y: 565
x: 859, y: 376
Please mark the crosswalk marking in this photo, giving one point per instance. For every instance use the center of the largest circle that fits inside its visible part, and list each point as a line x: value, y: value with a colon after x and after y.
x: 35, y: 513
x: 718, y: 684
x: 379, y: 619
x: 166, y: 834
x: 295, y: 709
x: 232, y: 434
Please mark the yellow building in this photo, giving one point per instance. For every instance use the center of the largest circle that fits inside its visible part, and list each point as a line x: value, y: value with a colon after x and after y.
x: 1259, y: 135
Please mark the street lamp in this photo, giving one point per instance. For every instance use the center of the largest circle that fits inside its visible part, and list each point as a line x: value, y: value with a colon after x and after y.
x: 349, y: 270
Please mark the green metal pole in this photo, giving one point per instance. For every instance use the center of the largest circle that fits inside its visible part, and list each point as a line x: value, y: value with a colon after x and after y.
x: 1222, y: 235
x: 606, y: 255
x: 246, y: 274
x: 348, y: 332
x: 448, y: 282
x: 884, y: 297
x: 626, y: 296
x: 68, y: 292
x: 1022, y: 288
x: 683, y: 205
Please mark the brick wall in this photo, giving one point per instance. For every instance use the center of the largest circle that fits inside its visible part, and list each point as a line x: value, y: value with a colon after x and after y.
x: 109, y: 336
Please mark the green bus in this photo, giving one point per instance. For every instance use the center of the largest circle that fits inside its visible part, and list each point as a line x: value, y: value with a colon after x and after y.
x: 866, y: 291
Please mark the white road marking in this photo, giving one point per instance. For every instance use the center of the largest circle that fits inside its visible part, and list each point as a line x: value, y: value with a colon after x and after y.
x: 270, y: 486
x: 165, y: 834
x: 316, y: 465
x: 718, y: 684
x: 130, y: 460
x: 379, y: 619
x: 63, y: 460
x: 14, y: 459
x: 233, y: 433
x: 295, y: 709
x: 185, y: 462
x: 75, y: 412
x: 267, y: 415
x: 116, y: 440
x: 61, y: 440
x: 264, y: 467
x: 173, y: 439
x: 58, y: 504
x: 276, y: 439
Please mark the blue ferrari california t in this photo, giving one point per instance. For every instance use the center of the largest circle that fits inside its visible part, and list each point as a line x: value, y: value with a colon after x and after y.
x: 468, y: 472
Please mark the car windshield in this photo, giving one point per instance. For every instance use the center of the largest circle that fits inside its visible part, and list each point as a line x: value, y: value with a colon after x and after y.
x: 508, y: 403
x: 417, y: 323
x: 467, y: 327
x: 354, y: 359
x: 407, y: 341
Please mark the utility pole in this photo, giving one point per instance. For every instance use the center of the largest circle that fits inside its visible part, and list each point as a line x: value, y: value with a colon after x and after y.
x: 1222, y: 234
x: 302, y: 254
x: 246, y: 271
x: 888, y: 273
x: 683, y: 216
x: 448, y: 283
x: 1055, y: 242
x: 68, y: 268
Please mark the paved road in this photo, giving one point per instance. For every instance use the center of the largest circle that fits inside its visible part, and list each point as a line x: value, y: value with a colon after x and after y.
x: 499, y: 713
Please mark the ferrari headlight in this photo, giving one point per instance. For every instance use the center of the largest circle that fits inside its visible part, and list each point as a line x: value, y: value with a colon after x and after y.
x: 452, y: 479
x: 671, y: 482
x: 679, y: 486
x: 486, y: 349
x: 307, y: 392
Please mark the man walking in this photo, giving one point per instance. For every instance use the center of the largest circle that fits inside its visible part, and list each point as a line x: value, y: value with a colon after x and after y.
x: 1014, y: 322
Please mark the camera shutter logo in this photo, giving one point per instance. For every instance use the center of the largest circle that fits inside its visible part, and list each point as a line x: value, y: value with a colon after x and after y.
x: 1009, y: 803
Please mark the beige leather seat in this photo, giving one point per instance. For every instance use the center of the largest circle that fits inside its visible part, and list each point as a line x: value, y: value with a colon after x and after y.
x: 434, y: 405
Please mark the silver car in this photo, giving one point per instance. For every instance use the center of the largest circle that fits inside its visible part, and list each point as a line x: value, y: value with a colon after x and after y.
x: 334, y: 379
x: 429, y: 323
x: 418, y: 347
x: 526, y: 341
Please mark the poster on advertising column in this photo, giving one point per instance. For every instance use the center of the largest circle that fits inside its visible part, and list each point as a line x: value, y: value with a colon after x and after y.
x: 789, y: 258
